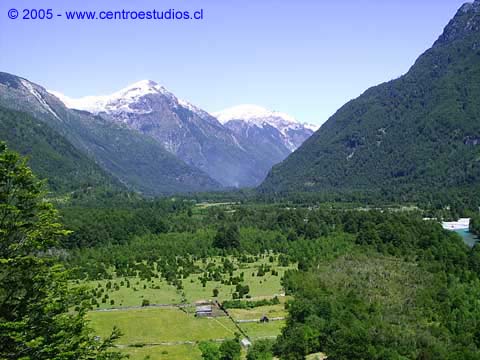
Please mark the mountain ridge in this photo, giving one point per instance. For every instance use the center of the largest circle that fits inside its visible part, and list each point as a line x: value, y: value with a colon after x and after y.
x: 242, y: 118
x: 51, y: 156
x: 414, y: 133
x: 149, y: 169
x: 225, y: 152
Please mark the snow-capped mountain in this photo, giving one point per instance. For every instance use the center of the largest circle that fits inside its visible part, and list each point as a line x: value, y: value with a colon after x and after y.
x: 183, y: 129
x: 127, y: 100
x: 154, y: 142
x: 237, y: 148
x: 134, y: 160
x: 242, y: 118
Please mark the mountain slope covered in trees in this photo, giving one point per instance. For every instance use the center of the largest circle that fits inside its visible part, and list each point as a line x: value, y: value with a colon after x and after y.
x: 51, y: 156
x: 421, y: 131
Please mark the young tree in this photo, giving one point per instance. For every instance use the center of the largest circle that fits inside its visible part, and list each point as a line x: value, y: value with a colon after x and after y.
x: 36, y: 316
x: 209, y: 351
x: 227, y: 237
x: 230, y: 350
x: 261, y: 350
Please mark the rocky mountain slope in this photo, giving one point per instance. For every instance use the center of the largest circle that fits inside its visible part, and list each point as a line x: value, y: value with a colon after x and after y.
x: 192, y: 135
x: 281, y: 129
x: 270, y: 136
x: 137, y: 161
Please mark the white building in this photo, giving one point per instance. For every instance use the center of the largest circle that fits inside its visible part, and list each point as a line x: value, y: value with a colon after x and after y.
x: 245, y: 343
x: 461, y: 224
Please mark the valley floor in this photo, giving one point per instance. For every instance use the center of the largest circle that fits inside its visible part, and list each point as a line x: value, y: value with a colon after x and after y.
x: 168, y: 329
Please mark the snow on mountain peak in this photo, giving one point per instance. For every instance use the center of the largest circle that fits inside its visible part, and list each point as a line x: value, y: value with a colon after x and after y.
x: 250, y: 113
x: 119, y: 101
x: 140, y: 88
x: 292, y: 132
x: 130, y: 100
x: 143, y: 84
x: 259, y: 116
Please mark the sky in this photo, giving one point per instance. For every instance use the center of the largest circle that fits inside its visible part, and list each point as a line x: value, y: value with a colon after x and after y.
x: 305, y: 57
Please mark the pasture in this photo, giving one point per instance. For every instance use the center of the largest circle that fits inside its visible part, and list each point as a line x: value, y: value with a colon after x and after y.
x: 164, y: 330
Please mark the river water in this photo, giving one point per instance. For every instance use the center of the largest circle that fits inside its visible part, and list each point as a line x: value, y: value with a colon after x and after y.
x: 467, y: 236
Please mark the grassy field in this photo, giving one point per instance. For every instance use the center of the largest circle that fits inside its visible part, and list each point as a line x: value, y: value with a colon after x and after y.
x: 157, y: 326
x: 158, y: 291
x: 268, y: 330
x: 265, y: 286
x: 177, y: 352
x: 170, y: 333
x: 139, y: 290
x: 173, y: 334
x: 271, y: 311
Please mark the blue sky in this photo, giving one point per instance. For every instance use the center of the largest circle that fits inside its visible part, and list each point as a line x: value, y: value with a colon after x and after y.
x: 304, y: 57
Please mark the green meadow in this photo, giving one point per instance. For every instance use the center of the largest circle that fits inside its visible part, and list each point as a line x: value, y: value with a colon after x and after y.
x: 172, y: 332
x: 132, y: 291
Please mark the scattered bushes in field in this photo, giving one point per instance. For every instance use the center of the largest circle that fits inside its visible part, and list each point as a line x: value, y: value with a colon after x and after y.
x: 240, y: 291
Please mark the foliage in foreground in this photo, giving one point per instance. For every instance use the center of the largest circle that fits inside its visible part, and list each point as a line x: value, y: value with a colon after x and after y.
x: 36, y: 317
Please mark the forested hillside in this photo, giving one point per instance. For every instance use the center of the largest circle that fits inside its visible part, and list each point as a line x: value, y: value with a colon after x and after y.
x: 418, y: 133
x: 52, y: 156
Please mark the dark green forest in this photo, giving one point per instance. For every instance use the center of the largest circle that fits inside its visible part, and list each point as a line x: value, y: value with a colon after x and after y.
x: 41, y: 317
x: 52, y: 157
x: 415, y: 134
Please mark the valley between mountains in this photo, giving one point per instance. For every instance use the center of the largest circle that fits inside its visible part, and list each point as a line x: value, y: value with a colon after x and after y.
x: 152, y: 142
x: 138, y: 225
